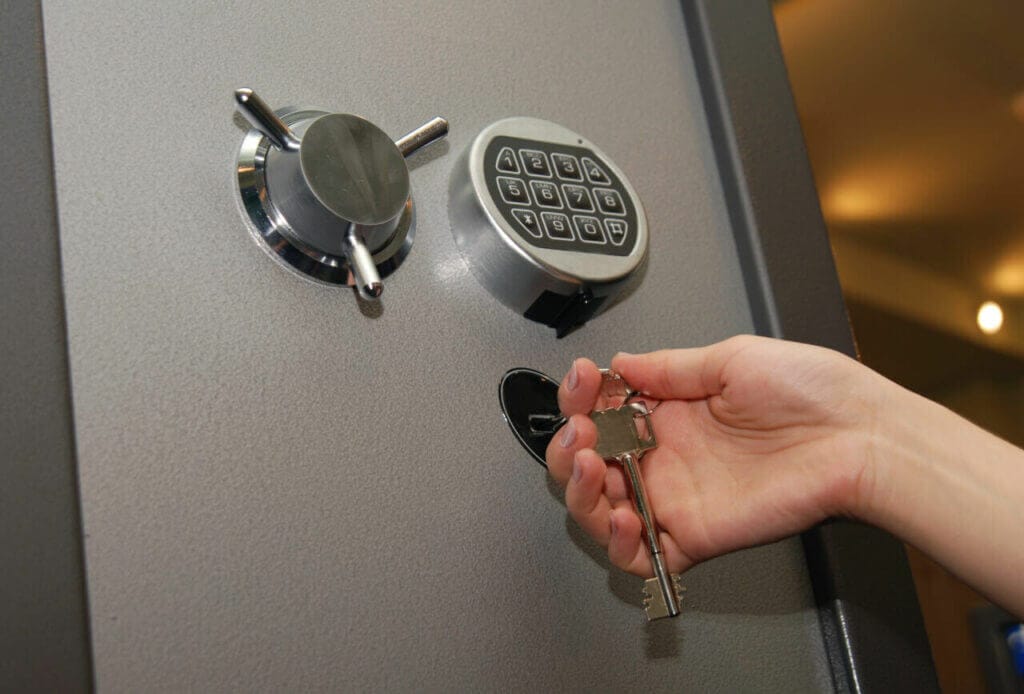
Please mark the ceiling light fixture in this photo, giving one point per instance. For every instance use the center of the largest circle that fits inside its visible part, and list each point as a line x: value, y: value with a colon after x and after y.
x: 990, y: 317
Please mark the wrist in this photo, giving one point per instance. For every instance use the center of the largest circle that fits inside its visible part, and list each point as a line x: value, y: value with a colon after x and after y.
x: 874, y: 438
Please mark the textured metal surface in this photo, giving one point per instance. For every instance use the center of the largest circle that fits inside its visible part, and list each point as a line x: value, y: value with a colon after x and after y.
x: 241, y: 500
x: 44, y: 634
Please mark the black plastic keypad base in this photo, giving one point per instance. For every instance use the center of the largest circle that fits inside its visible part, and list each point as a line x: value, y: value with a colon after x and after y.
x: 580, y: 201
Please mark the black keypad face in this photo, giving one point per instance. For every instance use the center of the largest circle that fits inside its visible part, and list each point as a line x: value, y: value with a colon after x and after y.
x: 562, y: 197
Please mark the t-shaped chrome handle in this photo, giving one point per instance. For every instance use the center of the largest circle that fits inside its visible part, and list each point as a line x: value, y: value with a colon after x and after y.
x: 339, y: 184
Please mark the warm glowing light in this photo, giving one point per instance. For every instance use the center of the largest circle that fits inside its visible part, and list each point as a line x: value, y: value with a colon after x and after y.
x: 850, y: 204
x: 990, y: 317
x: 1017, y: 106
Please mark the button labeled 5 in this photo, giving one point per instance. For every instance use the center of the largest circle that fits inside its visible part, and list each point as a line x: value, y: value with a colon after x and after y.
x: 513, y: 190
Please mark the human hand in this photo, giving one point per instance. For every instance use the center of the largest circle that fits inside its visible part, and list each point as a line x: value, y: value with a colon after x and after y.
x: 757, y: 439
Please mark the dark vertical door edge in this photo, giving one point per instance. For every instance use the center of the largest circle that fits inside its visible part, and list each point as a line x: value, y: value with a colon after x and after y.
x: 870, y: 618
x: 44, y: 627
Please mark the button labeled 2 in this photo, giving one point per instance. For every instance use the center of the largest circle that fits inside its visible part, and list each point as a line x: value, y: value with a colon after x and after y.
x: 535, y: 162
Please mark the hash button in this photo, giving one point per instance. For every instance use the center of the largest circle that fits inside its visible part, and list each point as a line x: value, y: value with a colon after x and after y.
x: 617, y: 230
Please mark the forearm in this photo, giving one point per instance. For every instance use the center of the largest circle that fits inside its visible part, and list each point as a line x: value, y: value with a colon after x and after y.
x: 951, y: 489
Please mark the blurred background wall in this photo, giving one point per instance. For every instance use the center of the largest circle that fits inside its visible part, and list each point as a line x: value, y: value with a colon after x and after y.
x: 913, y: 112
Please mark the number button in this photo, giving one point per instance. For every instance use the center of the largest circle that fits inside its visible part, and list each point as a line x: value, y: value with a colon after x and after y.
x: 528, y: 220
x: 617, y: 230
x: 546, y: 194
x: 577, y: 198
x: 588, y: 229
x: 507, y: 161
x: 567, y: 167
x: 557, y: 226
x: 535, y: 162
x: 594, y: 172
x: 513, y: 191
x: 609, y: 201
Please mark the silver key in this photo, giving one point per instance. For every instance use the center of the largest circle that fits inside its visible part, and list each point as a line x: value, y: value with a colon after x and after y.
x: 619, y: 438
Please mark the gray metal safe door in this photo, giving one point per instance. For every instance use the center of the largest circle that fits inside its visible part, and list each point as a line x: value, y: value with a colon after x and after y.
x: 282, y: 491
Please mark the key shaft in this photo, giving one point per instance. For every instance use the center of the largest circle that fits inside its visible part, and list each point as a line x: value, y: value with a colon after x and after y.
x: 630, y: 463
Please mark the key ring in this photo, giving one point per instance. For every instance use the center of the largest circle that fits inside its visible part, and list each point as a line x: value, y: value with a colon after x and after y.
x: 612, y: 381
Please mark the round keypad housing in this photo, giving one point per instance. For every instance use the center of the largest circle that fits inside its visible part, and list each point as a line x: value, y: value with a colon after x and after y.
x: 546, y: 220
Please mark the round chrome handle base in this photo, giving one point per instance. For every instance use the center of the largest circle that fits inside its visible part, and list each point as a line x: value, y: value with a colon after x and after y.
x: 271, y: 229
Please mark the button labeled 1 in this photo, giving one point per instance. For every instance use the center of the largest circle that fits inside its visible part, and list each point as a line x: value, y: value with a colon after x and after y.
x: 507, y: 161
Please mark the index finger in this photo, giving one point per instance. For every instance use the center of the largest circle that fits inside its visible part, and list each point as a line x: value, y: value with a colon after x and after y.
x: 580, y: 388
x: 685, y: 374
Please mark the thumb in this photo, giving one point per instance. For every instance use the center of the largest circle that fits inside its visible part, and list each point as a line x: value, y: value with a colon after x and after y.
x: 683, y: 374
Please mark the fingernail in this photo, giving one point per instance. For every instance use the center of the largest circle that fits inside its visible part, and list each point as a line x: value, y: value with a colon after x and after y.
x: 568, y: 435
x: 623, y: 354
x: 573, y: 379
x: 577, y: 469
x: 613, y: 524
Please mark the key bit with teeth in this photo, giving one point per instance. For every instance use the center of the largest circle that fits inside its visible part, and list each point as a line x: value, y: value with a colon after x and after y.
x: 655, y: 606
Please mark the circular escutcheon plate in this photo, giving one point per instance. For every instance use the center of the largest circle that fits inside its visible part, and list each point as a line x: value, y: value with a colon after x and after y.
x: 529, y: 403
